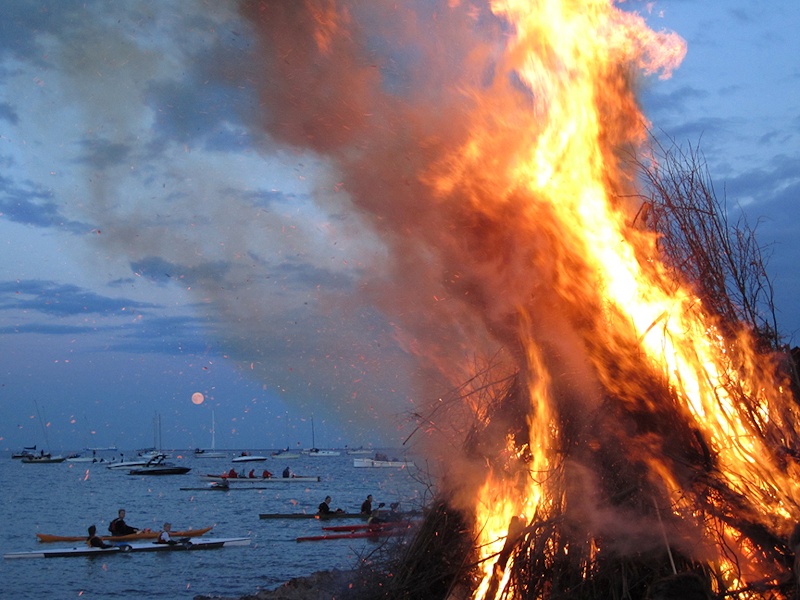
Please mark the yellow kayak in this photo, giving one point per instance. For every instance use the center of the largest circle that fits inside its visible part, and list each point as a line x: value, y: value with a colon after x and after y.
x: 140, y: 535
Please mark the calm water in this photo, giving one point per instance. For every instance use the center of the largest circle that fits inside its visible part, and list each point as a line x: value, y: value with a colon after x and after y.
x: 66, y: 498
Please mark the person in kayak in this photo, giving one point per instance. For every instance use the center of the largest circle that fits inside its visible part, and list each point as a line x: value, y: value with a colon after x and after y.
x: 325, y: 507
x: 119, y: 527
x: 94, y: 540
x: 366, y: 506
x: 164, y: 536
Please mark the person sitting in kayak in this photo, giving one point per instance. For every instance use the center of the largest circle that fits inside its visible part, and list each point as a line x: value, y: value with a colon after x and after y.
x: 94, y: 540
x: 232, y: 473
x: 251, y: 474
x: 287, y: 472
x: 325, y: 507
x: 164, y: 536
x: 266, y: 474
x: 366, y: 506
x: 119, y: 527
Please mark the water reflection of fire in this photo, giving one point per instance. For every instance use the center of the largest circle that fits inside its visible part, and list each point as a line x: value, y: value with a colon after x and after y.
x: 627, y: 419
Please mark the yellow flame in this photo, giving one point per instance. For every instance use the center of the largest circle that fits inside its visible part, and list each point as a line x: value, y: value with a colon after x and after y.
x: 557, y: 163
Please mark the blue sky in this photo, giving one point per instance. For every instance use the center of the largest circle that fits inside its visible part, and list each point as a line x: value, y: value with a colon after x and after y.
x: 162, y: 233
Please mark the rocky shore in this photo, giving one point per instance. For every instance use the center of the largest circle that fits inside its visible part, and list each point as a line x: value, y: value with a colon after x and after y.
x: 325, y: 585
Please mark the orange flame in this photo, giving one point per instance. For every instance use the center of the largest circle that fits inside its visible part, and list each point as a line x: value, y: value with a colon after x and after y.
x: 557, y: 166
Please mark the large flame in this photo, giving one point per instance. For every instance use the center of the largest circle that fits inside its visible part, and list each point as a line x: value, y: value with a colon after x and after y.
x: 560, y: 171
x: 505, y: 202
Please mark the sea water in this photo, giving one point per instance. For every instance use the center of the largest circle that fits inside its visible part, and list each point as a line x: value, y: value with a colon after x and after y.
x: 65, y: 498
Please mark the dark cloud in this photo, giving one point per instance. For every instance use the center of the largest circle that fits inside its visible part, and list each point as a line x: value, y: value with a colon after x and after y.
x: 29, y: 204
x: 161, y: 271
x: 52, y: 298
x: 102, y: 154
x: 658, y: 105
x: 208, y: 103
x: 8, y: 113
x: 181, y: 335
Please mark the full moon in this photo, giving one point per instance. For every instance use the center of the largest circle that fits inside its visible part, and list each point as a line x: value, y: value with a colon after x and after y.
x: 197, y: 398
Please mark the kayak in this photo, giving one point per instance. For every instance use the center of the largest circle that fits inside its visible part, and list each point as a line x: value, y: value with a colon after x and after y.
x: 370, y: 526
x: 140, y: 535
x: 333, y: 515
x: 124, y: 547
x: 234, y: 480
x: 351, y: 535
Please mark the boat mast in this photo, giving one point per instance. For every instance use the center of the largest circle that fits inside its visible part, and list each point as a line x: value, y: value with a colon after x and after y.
x: 213, y: 432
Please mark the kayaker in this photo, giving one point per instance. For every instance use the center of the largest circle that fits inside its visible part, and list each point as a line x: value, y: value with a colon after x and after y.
x: 287, y: 472
x: 94, y: 540
x: 119, y: 527
x: 266, y: 474
x: 251, y: 474
x: 164, y: 536
x: 325, y: 507
x: 366, y: 506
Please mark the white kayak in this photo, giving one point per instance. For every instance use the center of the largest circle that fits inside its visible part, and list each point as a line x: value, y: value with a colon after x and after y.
x: 124, y: 547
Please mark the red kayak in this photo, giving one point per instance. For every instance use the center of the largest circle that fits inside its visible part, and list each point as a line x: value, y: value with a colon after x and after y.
x: 364, y: 531
x: 369, y: 526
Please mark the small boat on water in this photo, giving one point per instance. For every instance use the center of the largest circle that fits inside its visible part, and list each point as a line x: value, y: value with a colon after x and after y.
x: 358, y: 451
x: 247, y: 457
x: 200, y: 453
x: 26, y: 451
x: 369, y: 531
x: 326, y: 517
x: 165, y: 469
x: 42, y: 458
x: 316, y: 452
x: 374, y: 463
x: 132, y: 537
x: 281, y: 454
x: 252, y: 480
x: 159, y: 466
x: 141, y: 461
x: 212, y: 453
x: 125, y: 547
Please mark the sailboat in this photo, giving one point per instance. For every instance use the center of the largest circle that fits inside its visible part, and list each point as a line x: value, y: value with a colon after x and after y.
x: 212, y: 453
x: 314, y: 451
x: 42, y: 457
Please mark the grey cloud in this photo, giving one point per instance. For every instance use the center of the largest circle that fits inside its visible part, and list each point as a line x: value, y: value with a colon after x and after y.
x: 673, y: 103
x: 162, y: 271
x: 101, y: 154
x: 8, y: 113
x: 31, y: 205
x: 59, y: 299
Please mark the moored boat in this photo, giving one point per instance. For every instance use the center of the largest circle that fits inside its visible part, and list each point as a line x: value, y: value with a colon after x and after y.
x: 212, y: 453
x: 247, y: 457
x: 285, y: 454
x: 139, y: 535
x: 165, y: 469
x: 316, y: 452
x: 26, y: 451
x: 373, y: 463
x: 42, y: 458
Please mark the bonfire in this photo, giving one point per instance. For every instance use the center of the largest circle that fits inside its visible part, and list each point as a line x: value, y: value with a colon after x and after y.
x: 620, y: 410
